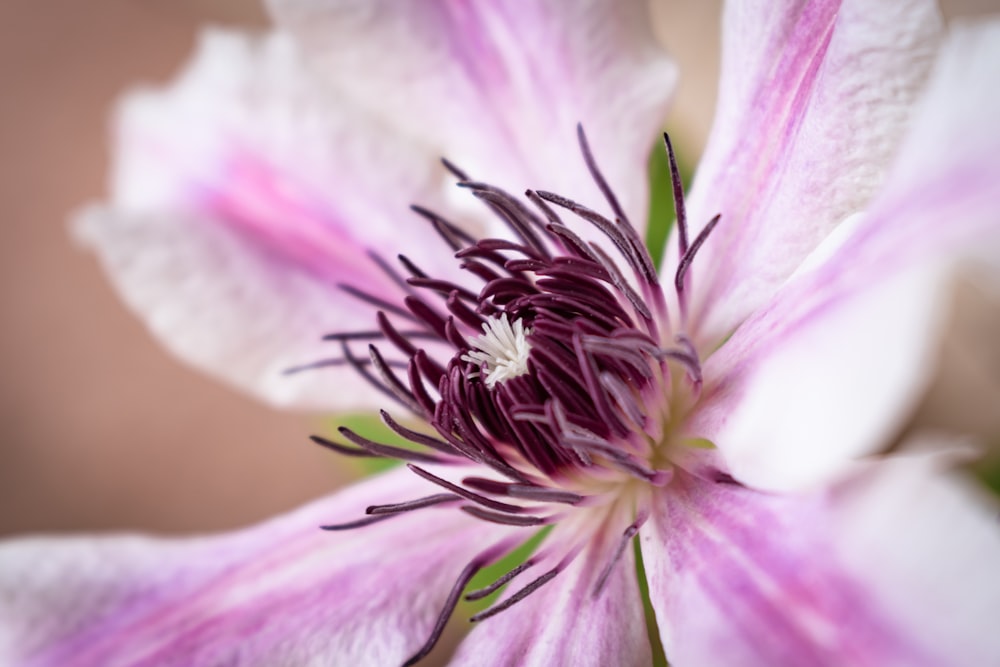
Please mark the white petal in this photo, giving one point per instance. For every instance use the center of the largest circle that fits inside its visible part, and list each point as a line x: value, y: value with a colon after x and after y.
x: 498, y: 87
x: 242, y: 196
x: 828, y: 369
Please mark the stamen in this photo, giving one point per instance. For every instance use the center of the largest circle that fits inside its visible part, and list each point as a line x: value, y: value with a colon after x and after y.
x: 373, y: 300
x: 455, y: 171
x: 465, y: 493
x: 678, y: 189
x: 496, y: 585
x: 388, y: 451
x: 415, y: 271
x: 393, y: 383
x: 342, y: 449
x: 688, y: 256
x: 410, y: 505
x: 530, y: 588
x: 504, y: 519
x: 619, y: 550
x: 543, y: 494
x: 452, y: 234
x: 388, y: 270
x: 514, y: 213
x: 416, y: 436
x: 314, y: 365
x: 637, y: 258
x: 479, y: 562
x: 596, y: 174
x: 360, y: 523
x: 523, y: 491
x: 565, y: 387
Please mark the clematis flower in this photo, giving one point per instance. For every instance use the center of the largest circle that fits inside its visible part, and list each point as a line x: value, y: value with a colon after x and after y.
x: 727, y: 412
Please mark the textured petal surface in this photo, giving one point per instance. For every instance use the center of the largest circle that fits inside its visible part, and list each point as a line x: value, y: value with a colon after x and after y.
x: 860, y: 574
x: 827, y: 370
x: 499, y: 86
x: 563, y: 623
x: 282, y: 593
x: 813, y: 100
x: 241, y: 197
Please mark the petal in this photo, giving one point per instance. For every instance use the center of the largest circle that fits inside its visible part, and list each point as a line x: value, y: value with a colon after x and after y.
x: 283, y: 592
x: 563, y: 622
x: 821, y: 377
x: 828, y: 369
x: 856, y: 575
x: 813, y: 100
x: 241, y: 198
x: 499, y: 87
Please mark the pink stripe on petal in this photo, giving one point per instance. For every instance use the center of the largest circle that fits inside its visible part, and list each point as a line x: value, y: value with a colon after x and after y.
x: 242, y: 195
x: 296, y: 226
x: 851, y: 340
x: 563, y: 622
x: 284, y: 592
x: 739, y: 577
x: 814, y: 98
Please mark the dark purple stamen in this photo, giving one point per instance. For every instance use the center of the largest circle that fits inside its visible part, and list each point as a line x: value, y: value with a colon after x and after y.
x: 360, y: 523
x: 463, y: 580
x: 499, y: 583
x: 517, y: 597
x: 596, y: 174
x: 569, y: 381
x: 373, y: 300
x: 465, y: 493
x: 523, y: 491
x: 387, y: 451
x: 504, y: 519
x: 410, y: 505
x: 454, y: 236
x: 688, y: 256
x: 415, y: 436
x: 678, y: 190
x: 616, y: 556
x: 344, y: 450
x: 322, y: 363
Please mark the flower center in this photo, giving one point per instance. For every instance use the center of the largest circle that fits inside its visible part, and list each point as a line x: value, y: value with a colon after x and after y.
x: 502, y: 351
x: 553, y: 369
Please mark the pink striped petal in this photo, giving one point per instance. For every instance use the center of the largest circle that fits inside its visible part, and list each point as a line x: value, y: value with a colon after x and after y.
x: 499, y: 86
x: 241, y: 197
x: 893, y: 567
x: 851, y: 341
x: 281, y: 593
x: 813, y: 100
x: 563, y: 622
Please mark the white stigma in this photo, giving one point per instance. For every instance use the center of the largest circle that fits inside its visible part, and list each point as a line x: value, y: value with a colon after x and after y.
x: 502, y: 350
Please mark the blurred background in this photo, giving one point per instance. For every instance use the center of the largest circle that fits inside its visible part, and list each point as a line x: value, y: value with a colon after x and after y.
x: 101, y: 429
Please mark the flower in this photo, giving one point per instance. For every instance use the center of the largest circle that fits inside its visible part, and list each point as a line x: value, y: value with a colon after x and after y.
x: 721, y: 415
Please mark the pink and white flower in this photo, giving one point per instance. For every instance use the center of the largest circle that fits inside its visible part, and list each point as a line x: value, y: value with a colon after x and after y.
x: 728, y: 414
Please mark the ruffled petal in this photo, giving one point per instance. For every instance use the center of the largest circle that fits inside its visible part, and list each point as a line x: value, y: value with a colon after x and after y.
x: 813, y: 100
x: 828, y: 369
x: 563, y: 622
x: 498, y: 87
x: 242, y: 196
x: 894, y: 566
x: 281, y: 593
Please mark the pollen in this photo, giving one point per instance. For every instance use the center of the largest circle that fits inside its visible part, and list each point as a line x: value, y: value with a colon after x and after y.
x: 503, y: 350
